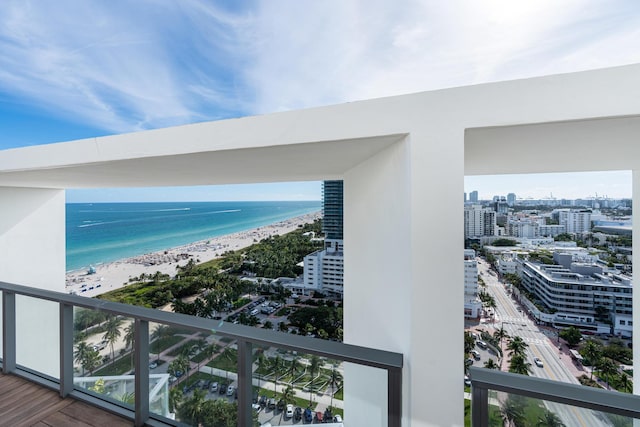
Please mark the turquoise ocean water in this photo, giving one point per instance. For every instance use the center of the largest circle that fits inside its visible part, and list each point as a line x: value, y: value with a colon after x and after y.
x: 104, y: 232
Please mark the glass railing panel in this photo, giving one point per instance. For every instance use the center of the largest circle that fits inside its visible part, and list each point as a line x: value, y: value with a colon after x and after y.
x: 38, y: 335
x: 103, y: 357
x: 513, y: 409
x: 192, y: 375
x: 293, y: 388
x: 1, y: 340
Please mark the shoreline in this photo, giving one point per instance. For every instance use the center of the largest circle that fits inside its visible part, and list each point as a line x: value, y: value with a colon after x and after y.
x: 114, y: 275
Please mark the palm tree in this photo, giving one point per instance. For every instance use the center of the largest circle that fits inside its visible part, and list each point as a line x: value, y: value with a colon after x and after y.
x: 262, y: 365
x: 175, y: 397
x: 549, y: 419
x: 501, y: 334
x: 517, y: 346
x: 293, y: 368
x: 469, y: 342
x: 112, y: 333
x: 129, y: 332
x: 287, y: 397
x: 314, y: 364
x: 276, y: 368
x: 158, y: 334
x: 512, y: 412
x: 80, y: 354
x: 607, y: 368
x: 335, y: 382
x: 625, y: 383
x: 593, y: 352
x: 519, y: 365
x: 491, y: 364
x: 191, y: 409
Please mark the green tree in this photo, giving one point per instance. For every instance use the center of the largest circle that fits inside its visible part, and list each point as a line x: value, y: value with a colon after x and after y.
x: 314, y: 365
x: 491, y: 364
x: 335, y: 382
x: 519, y: 365
x: 276, y: 370
x: 592, y: 351
x: 469, y: 342
x: 112, y: 333
x: 192, y: 409
x: 287, y: 397
x: 571, y: 335
x: 549, y: 419
x: 607, y: 368
x: 175, y: 398
x: 517, y: 346
x: 262, y: 365
x: 80, y: 354
x: 157, y: 336
x: 512, y: 412
x: 268, y: 325
x: 129, y: 333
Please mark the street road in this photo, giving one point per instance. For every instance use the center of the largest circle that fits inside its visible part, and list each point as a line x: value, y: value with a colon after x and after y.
x: 511, y: 316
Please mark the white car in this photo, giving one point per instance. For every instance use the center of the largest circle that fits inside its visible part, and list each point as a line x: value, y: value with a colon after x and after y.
x: 538, y: 362
x: 337, y: 419
x: 289, y: 411
x: 230, y: 390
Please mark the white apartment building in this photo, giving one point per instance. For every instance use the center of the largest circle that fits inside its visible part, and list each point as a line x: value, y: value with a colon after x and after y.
x: 528, y: 228
x: 324, y: 269
x: 507, y: 263
x: 571, y: 295
x: 472, y: 303
x: 398, y: 156
x: 479, y: 221
x: 575, y: 221
x: 551, y: 230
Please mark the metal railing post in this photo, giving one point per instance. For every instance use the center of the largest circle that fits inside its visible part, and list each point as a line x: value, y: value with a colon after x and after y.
x: 394, y: 397
x: 141, y: 349
x: 479, y: 406
x: 8, y: 332
x: 66, y: 349
x: 245, y: 383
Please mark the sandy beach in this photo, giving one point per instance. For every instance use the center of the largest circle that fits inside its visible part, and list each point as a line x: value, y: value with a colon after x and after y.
x: 117, y: 274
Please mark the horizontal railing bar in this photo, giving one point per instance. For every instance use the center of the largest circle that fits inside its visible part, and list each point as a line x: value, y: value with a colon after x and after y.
x: 555, y: 391
x: 335, y: 350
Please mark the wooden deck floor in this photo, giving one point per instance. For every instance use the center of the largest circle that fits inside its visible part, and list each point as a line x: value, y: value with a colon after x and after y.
x: 23, y: 403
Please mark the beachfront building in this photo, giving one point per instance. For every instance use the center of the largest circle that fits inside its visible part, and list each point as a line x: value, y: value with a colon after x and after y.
x: 402, y: 160
x: 472, y: 303
x: 324, y: 269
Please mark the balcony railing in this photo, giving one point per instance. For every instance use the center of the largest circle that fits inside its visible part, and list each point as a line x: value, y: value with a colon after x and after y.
x: 245, y: 337
x: 490, y: 389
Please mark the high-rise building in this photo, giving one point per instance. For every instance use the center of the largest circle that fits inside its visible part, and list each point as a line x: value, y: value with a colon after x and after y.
x: 511, y: 199
x: 575, y: 221
x: 472, y: 303
x: 473, y: 197
x: 479, y: 221
x: 332, y: 202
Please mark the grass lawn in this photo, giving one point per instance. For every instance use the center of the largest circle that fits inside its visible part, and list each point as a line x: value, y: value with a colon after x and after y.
x: 164, y: 343
x: 121, y: 366
x: 227, y: 361
x: 182, y: 348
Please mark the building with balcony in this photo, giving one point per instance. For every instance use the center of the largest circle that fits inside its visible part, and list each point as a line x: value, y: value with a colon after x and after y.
x: 402, y: 160
x: 479, y: 221
x: 572, y: 295
x: 472, y: 303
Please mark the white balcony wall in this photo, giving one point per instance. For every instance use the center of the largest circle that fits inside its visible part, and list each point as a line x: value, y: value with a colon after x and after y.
x: 32, y: 253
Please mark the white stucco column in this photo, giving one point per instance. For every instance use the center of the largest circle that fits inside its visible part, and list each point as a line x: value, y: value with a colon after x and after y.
x: 377, y: 279
x: 32, y: 253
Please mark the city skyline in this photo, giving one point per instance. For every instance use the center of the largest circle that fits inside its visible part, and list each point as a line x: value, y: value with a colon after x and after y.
x: 65, y: 78
x: 578, y: 185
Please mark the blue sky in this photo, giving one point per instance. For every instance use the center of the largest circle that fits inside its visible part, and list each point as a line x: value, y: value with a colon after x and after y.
x: 72, y: 70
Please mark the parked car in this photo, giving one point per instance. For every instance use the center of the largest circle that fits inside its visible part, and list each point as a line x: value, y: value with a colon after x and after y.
x: 319, y: 417
x: 153, y: 365
x: 308, y: 415
x: 262, y: 400
x: 337, y: 419
x: 214, y: 387
x: 280, y: 405
x: 538, y: 362
x: 481, y: 344
x: 297, y: 414
x: 256, y: 407
x: 206, y: 384
x: 271, y: 403
x: 222, y: 389
x: 289, y: 413
x: 230, y: 390
x: 476, y: 354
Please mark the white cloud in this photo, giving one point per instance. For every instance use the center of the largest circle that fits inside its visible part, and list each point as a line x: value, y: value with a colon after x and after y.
x: 319, y: 53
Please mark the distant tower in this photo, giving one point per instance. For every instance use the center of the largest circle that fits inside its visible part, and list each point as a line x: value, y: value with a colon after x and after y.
x: 332, y: 207
x: 465, y: 197
x: 511, y: 199
x: 473, y: 197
